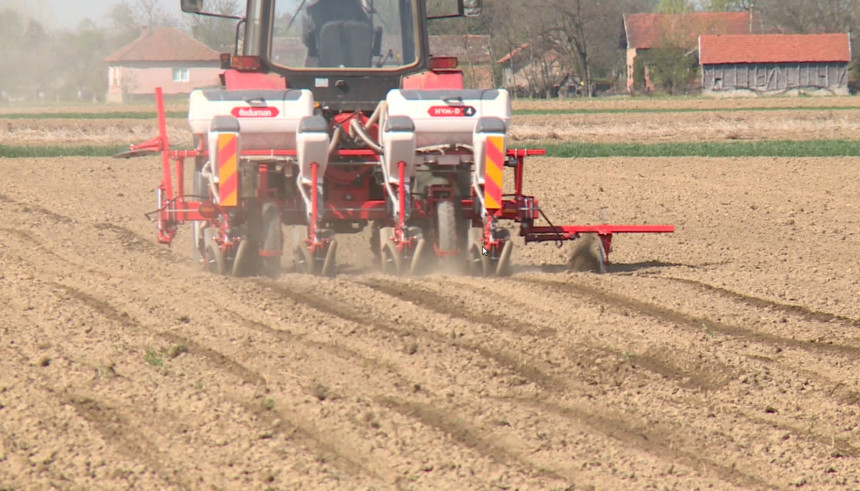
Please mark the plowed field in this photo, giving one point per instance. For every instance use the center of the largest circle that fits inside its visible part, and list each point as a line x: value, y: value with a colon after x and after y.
x: 726, y: 355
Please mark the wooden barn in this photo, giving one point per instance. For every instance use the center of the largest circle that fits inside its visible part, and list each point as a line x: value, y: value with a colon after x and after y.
x: 775, y: 63
x: 162, y: 57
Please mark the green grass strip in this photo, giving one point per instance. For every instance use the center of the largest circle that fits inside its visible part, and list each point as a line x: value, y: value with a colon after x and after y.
x: 544, y: 112
x: 60, y: 151
x: 111, y: 115
x: 780, y: 148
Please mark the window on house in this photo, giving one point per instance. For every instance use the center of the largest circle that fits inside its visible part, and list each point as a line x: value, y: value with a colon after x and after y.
x: 180, y: 74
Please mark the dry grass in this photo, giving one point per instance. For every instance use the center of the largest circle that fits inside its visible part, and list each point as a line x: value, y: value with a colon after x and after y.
x: 688, y: 126
x: 684, y: 103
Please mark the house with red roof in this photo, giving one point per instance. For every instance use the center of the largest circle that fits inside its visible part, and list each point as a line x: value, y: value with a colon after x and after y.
x: 644, y: 32
x: 763, y: 63
x: 529, y: 70
x: 163, y: 57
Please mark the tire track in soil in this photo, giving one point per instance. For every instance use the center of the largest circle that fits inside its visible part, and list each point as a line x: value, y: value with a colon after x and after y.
x: 704, y: 379
x: 115, y: 428
x: 845, y: 396
x: 136, y: 242
x: 505, y: 362
x: 691, y: 321
x: 508, y: 361
x: 432, y: 416
x: 441, y: 304
x: 37, y: 245
x: 652, y: 442
x: 118, y: 431
x: 542, y: 380
x: 31, y: 207
x: 343, y: 311
x: 757, y: 302
x: 714, y: 376
x: 333, y: 349
x: 466, y: 435
x: 307, y: 432
x: 306, y: 429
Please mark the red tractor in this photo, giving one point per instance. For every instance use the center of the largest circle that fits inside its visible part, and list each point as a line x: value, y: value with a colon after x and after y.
x: 334, y: 115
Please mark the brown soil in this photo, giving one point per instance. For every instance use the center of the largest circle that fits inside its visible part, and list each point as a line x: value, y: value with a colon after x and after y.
x: 724, y: 355
x: 812, y: 124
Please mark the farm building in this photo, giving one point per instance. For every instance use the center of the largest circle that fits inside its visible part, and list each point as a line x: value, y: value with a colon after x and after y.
x: 644, y: 32
x: 162, y: 57
x: 775, y: 62
x: 530, y: 71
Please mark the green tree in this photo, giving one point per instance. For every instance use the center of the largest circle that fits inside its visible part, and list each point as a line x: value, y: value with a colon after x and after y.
x: 671, y: 68
x: 730, y: 5
x: 675, y: 6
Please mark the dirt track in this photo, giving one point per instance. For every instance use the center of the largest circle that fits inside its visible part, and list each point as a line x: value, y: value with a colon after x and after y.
x: 724, y: 355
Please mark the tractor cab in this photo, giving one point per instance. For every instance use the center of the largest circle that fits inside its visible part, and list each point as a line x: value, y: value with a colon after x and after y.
x: 349, y: 53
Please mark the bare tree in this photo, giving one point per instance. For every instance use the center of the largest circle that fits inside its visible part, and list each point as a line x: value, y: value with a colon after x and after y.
x: 805, y: 17
x: 217, y: 33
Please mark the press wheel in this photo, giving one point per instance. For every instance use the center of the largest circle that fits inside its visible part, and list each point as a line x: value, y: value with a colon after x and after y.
x: 214, y: 259
x: 304, y: 259
x: 329, y: 266
x: 479, y: 264
x: 392, y: 263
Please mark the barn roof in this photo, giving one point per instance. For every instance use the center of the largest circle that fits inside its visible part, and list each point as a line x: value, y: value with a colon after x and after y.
x: 775, y: 48
x: 164, y: 44
x: 508, y: 57
x: 645, y: 31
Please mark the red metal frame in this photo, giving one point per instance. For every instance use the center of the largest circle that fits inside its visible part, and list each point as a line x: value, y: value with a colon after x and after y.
x: 353, y: 203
